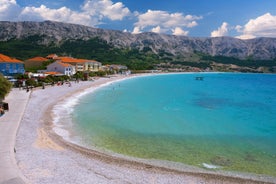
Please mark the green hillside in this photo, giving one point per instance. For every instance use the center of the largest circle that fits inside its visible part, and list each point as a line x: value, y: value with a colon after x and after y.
x: 91, y: 49
x: 135, y: 59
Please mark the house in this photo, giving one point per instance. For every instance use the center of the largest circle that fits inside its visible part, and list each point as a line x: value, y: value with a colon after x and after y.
x: 35, y: 62
x: 116, y: 68
x: 10, y: 66
x: 53, y: 73
x: 69, y: 65
x: 60, y: 67
x: 52, y: 56
x: 81, y: 64
x: 92, y: 65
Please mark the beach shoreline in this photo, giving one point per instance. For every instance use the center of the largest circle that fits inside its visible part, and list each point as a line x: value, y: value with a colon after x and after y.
x: 46, y: 146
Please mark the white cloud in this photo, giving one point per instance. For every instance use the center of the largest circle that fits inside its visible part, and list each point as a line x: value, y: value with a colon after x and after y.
x: 192, y: 24
x: 156, y: 29
x: 262, y: 26
x: 92, y: 12
x: 62, y: 14
x: 106, y: 8
x: 238, y: 28
x: 162, y: 21
x: 96, y: 12
x: 43, y: 13
x: 9, y: 10
x: 221, y: 31
x: 179, y: 32
x: 136, y: 30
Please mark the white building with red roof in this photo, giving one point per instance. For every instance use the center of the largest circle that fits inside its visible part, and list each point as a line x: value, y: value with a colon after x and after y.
x: 81, y: 65
x: 69, y: 65
x: 60, y: 67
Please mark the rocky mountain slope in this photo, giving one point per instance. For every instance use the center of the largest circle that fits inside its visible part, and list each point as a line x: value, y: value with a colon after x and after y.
x: 56, y: 32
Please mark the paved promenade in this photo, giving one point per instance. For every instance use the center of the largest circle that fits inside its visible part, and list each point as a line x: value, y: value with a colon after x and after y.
x: 9, y: 123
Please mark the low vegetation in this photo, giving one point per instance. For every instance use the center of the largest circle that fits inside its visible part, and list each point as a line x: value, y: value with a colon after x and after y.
x: 51, y: 80
x: 5, y: 87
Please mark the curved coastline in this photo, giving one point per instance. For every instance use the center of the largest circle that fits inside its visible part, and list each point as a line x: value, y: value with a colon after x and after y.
x: 151, y: 166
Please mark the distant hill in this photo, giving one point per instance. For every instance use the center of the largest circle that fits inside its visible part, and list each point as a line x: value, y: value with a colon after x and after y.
x: 139, y: 51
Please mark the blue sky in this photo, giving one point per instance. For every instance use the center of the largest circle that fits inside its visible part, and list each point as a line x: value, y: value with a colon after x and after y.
x: 196, y: 18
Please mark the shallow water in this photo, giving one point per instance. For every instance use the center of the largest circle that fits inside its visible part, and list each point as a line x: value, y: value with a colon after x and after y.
x: 226, y: 120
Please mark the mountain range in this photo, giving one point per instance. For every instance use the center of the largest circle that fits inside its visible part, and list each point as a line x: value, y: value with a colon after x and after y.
x: 56, y: 33
x: 259, y: 48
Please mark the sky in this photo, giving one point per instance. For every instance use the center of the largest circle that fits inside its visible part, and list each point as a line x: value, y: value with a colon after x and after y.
x: 244, y: 19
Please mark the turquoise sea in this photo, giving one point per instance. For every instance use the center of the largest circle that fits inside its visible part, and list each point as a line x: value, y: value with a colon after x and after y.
x: 226, y: 120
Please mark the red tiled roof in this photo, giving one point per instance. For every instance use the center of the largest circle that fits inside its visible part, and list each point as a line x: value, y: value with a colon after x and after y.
x: 52, y: 73
x: 73, y: 60
x: 52, y: 56
x: 65, y: 59
x: 7, y: 59
x: 41, y: 59
x: 64, y: 64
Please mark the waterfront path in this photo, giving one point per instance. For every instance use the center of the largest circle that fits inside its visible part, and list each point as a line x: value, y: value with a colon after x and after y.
x: 9, y: 123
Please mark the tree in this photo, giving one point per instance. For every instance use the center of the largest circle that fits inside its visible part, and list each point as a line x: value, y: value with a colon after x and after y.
x: 78, y: 75
x: 5, y: 87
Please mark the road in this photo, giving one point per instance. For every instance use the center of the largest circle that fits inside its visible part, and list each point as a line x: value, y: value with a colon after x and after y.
x: 9, y: 123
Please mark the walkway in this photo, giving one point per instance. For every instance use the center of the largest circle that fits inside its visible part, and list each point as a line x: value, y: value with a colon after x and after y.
x: 9, y: 123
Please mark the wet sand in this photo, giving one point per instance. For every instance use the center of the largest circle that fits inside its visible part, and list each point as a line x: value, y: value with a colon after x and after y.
x: 45, y: 157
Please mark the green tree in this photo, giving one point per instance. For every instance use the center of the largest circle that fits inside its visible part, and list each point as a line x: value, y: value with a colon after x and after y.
x: 5, y: 87
x: 31, y: 82
x: 78, y: 75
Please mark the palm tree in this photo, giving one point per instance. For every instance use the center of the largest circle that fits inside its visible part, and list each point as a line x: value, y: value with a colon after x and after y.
x: 5, y: 87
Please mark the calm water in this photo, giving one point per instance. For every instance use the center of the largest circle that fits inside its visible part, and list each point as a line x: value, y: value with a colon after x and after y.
x: 227, y: 120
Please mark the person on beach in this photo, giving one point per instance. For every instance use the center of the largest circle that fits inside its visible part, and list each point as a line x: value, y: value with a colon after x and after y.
x: 2, y: 112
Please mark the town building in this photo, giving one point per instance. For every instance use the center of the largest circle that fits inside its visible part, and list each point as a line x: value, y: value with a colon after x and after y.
x: 52, y: 56
x: 81, y: 65
x: 121, y: 69
x: 35, y: 62
x: 61, y: 67
x: 10, y: 66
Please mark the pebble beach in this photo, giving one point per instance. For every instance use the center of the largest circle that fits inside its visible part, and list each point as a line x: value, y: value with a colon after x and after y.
x: 44, y: 157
